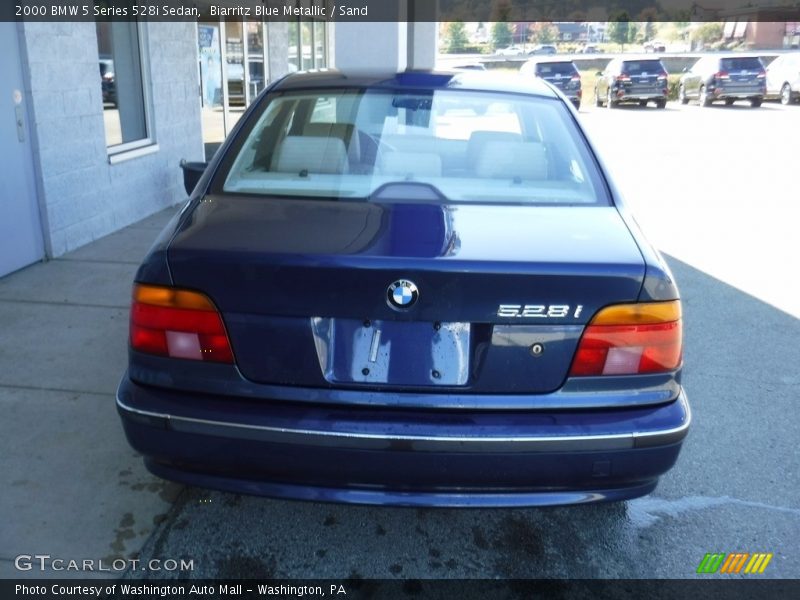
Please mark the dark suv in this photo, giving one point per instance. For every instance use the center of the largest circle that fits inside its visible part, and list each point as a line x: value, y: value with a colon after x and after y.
x: 728, y: 78
x: 562, y: 73
x: 639, y: 80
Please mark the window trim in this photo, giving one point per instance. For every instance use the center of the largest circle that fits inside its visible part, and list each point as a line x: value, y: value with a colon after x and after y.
x: 297, y: 24
x: 134, y: 149
x: 132, y: 153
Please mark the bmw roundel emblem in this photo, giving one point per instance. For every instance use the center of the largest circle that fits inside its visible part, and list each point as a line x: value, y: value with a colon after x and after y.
x: 402, y: 294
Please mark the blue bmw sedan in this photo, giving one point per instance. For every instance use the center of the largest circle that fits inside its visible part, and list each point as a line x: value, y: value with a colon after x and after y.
x: 407, y: 289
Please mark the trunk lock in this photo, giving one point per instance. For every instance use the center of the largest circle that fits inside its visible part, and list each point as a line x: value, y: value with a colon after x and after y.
x: 537, y: 349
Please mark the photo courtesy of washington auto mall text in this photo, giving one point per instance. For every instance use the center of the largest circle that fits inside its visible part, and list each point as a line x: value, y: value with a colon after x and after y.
x: 198, y: 590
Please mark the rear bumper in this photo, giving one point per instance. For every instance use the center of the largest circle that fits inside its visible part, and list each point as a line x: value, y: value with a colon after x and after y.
x: 636, y: 97
x: 402, y: 457
x: 723, y: 93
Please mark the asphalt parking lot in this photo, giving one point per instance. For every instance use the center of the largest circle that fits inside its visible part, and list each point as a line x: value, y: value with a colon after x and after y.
x: 714, y: 188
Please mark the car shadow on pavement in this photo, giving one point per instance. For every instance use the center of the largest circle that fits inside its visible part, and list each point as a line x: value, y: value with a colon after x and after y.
x: 742, y: 105
x: 732, y: 489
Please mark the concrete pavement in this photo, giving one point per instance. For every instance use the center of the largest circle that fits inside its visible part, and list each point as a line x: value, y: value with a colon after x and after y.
x: 72, y: 487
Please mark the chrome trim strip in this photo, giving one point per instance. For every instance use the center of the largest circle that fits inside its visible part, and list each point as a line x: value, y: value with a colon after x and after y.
x: 142, y: 413
x: 424, y: 443
x: 647, y: 439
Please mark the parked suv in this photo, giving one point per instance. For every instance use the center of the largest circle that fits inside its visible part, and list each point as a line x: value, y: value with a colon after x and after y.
x: 639, y: 80
x: 783, y: 78
x: 728, y: 78
x: 562, y: 73
x: 543, y: 49
x: 655, y: 46
x: 510, y: 51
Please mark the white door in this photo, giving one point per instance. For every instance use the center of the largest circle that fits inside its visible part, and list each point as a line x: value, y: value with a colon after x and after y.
x: 20, y: 227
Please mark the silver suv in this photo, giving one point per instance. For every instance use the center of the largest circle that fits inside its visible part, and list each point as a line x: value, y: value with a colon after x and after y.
x: 783, y: 78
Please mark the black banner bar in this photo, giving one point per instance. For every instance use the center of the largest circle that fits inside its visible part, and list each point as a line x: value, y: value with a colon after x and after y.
x: 401, y: 10
x: 413, y: 589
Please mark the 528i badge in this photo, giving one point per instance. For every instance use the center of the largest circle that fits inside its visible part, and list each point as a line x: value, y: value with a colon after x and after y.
x: 539, y: 311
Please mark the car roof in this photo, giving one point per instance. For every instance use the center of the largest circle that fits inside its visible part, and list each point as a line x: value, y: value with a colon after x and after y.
x: 544, y: 58
x: 722, y: 55
x: 639, y: 57
x: 471, y: 80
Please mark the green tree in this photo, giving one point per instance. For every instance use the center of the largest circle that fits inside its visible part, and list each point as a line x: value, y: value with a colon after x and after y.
x: 617, y: 32
x: 456, y: 37
x: 544, y: 33
x: 633, y: 32
x: 648, y: 18
x: 501, y: 35
x: 622, y: 31
x: 708, y: 33
x: 671, y: 32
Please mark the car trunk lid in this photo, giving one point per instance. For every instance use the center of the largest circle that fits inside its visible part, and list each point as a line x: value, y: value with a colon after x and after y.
x: 310, y: 281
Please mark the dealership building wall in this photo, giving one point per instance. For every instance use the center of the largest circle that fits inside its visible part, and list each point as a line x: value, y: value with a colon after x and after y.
x: 84, y: 192
x: 96, y: 167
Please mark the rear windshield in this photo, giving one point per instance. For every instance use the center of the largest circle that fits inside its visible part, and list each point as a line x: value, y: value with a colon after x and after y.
x: 436, y: 145
x: 637, y: 67
x: 741, y: 64
x: 560, y: 68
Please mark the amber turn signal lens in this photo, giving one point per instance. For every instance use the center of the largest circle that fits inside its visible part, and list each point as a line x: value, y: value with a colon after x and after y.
x: 178, y: 324
x: 171, y: 297
x: 639, y: 314
x: 631, y: 339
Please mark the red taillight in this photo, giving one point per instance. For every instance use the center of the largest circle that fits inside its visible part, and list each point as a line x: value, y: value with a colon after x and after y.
x: 624, y: 77
x: 761, y: 74
x: 576, y: 77
x: 178, y: 324
x: 662, y: 75
x: 721, y: 75
x: 630, y: 339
